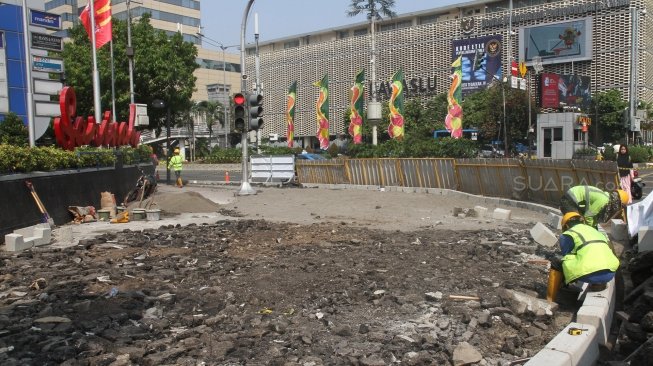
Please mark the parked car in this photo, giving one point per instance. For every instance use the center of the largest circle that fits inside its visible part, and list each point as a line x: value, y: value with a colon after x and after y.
x: 490, y: 151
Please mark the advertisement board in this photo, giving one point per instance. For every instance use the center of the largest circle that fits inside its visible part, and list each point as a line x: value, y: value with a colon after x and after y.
x: 557, y: 42
x: 474, y: 80
x: 43, y: 19
x: 564, y: 90
x: 46, y: 42
x: 47, y: 64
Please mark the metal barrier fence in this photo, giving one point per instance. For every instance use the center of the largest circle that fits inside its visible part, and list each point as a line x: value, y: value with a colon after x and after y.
x: 542, y: 181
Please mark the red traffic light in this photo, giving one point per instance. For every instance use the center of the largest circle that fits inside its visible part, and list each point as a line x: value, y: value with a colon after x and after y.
x: 239, y: 99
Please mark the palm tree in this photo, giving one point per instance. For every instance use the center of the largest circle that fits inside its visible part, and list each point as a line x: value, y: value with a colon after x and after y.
x: 210, y: 112
x: 374, y: 9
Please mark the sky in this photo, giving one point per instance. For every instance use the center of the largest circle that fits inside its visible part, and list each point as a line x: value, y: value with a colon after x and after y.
x: 221, y: 19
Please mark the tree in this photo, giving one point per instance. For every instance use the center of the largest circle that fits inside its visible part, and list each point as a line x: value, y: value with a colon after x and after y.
x: 13, y: 131
x: 210, y: 112
x: 610, y: 122
x: 163, y: 69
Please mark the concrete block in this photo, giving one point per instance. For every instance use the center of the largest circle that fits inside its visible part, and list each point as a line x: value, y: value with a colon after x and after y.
x: 43, y: 235
x: 542, y: 235
x: 480, y: 211
x: 501, y: 214
x: 645, y: 239
x: 15, y: 243
x: 566, y: 349
x: 618, y: 230
x: 555, y: 221
x: 597, y: 310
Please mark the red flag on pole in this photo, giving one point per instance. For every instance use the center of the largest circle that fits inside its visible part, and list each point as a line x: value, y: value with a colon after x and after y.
x: 102, y: 21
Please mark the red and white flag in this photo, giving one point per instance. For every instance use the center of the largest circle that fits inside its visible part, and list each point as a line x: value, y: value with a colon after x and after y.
x: 102, y: 21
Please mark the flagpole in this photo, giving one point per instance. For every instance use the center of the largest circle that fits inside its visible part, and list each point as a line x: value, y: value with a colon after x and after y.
x: 96, y: 74
x: 113, y: 83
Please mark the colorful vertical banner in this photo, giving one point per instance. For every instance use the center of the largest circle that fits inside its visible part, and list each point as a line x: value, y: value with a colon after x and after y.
x: 356, y: 106
x: 290, y: 113
x: 475, y: 80
x: 454, y: 120
x: 322, y: 112
x: 102, y: 21
x: 396, y: 105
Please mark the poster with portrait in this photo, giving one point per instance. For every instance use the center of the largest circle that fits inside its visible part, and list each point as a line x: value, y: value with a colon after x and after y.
x: 564, y: 90
x: 474, y: 80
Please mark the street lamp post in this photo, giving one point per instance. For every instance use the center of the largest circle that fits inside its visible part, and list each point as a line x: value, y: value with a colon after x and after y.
x: 160, y: 104
x: 130, y: 54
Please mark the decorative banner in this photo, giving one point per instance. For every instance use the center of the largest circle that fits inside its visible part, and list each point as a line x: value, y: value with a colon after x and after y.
x: 322, y: 112
x: 290, y: 113
x: 454, y: 120
x: 356, y: 109
x: 396, y: 105
x: 475, y: 80
x: 102, y: 21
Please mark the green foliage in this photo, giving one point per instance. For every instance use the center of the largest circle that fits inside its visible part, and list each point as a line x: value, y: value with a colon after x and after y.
x: 609, y: 154
x: 17, y: 159
x: 163, y: 70
x: 225, y: 156
x: 417, y: 148
x: 279, y: 150
x: 484, y: 110
x: 610, y: 107
x: 13, y: 131
x: 586, y: 153
x: 640, y: 154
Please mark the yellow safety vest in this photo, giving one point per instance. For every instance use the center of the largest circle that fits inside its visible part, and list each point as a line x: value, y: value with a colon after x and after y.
x: 591, y: 253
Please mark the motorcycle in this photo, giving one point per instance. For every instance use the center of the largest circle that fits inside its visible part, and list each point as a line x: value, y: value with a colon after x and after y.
x: 145, y: 186
x: 636, y: 185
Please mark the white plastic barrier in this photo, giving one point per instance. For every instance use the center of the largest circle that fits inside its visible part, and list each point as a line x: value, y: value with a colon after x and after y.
x: 279, y: 168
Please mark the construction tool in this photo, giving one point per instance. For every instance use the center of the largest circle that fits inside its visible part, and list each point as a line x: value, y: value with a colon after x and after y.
x: 46, y: 217
x: 576, y: 331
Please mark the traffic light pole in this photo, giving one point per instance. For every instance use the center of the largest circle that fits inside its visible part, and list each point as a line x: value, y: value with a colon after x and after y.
x: 245, y: 187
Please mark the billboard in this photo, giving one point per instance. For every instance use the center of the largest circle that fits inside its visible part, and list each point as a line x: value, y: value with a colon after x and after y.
x: 557, y: 42
x: 43, y: 19
x: 564, y: 90
x: 473, y: 81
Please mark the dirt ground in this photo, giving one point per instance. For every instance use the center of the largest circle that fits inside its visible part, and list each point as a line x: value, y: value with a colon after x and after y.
x: 289, y: 276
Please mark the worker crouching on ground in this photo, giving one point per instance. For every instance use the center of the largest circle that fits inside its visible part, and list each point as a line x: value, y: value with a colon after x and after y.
x: 595, y: 205
x: 586, y: 257
x: 175, y: 164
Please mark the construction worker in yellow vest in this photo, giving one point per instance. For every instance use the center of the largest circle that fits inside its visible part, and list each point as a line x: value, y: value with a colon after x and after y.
x: 175, y: 164
x: 586, y: 257
x: 594, y: 204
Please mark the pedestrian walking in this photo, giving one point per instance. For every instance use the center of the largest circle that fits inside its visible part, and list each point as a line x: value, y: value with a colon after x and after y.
x: 625, y: 171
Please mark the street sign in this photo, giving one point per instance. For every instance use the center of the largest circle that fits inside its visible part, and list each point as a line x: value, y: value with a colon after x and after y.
x: 47, y: 64
x: 47, y: 87
x: 46, y: 42
x: 522, y: 69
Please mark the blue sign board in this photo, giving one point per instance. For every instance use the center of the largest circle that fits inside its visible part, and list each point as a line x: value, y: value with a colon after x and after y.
x: 47, y: 64
x: 43, y: 19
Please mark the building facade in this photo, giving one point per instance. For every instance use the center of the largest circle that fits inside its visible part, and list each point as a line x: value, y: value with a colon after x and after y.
x: 611, y: 43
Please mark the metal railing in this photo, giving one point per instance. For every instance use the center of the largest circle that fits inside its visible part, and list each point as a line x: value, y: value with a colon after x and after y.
x: 541, y: 180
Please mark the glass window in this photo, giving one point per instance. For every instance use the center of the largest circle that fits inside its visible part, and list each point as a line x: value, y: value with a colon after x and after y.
x: 360, y: 32
x: 343, y: 34
x: 387, y: 27
x: 404, y: 24
x: 162, y: 15
x: 428, y: 19
x: 557, y: 134
x: 291, y: 44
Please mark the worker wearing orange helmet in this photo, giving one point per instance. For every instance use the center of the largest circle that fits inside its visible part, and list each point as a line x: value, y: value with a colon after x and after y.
x: 586, y: 256
x: 175, y: 164
x: 594, y: 204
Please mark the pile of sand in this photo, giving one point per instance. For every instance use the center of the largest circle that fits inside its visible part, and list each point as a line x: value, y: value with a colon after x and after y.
x: 176, y: 203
